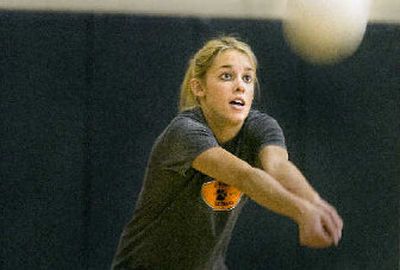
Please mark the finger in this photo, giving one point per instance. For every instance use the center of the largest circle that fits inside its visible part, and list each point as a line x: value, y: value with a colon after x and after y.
x: 336, y: 219
x: 314, y: 236
x: 328, y: 240
x: 321, y: 240
x: 322, y: 234
x: 333, y: 212
x: 330, y: 228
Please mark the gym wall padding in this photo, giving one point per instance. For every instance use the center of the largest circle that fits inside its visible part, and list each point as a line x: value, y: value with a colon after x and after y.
x: 83, y: 96
x: 43, y: 136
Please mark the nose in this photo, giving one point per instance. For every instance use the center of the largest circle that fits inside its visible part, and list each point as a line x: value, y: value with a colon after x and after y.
x: 240, y: 86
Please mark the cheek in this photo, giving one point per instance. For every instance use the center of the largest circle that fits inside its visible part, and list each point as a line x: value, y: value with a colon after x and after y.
x: 219, y: 89
x: 251, y: 91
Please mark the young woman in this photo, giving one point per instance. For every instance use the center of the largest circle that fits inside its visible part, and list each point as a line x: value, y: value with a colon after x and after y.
x: 213, y: 156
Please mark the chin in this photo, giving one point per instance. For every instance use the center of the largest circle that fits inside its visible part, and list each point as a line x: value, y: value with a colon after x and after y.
x: 238, y: 118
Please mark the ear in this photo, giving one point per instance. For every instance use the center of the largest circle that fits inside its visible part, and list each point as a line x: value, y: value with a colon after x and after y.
x: 197, y: 88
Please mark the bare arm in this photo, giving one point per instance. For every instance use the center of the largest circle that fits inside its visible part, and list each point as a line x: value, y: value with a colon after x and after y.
x: 265, y: 190
x: 274, y: 160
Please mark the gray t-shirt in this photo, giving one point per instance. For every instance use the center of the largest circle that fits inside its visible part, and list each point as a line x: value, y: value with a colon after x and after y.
x: 172, y: 226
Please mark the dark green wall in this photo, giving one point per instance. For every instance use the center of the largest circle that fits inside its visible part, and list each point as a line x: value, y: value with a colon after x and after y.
x: 84, y: 96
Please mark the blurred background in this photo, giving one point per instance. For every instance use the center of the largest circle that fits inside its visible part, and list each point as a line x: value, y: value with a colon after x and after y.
x: 86, y: 87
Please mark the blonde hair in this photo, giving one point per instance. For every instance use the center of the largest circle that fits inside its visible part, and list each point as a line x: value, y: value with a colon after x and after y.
x: 202, y: 61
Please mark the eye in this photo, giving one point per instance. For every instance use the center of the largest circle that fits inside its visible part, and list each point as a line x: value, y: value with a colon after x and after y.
x: 248, y: 78
x: 226, y: 76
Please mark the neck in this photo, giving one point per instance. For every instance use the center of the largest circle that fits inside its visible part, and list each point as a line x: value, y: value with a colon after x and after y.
x: 222, y: 129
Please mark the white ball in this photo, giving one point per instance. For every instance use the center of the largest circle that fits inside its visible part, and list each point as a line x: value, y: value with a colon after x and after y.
x: 325, y: 31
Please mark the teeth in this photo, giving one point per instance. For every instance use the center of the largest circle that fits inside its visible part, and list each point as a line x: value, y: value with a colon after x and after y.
x: 237, y: 102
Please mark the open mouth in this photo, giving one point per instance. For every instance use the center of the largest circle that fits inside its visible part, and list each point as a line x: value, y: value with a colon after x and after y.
x: 238, y: 102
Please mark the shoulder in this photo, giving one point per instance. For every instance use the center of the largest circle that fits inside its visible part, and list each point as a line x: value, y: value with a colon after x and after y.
x: 182, y: 141
x: 262, y: 129
x: 187, y: 122
x: 187, y: 128
x: 256, y: 118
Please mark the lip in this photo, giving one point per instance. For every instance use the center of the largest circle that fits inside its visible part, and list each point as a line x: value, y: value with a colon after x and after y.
x: 239, y: 100
x: 238, y: 103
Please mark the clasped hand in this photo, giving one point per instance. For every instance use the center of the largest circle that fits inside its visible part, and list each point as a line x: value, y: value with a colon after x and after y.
x: 320, y: 225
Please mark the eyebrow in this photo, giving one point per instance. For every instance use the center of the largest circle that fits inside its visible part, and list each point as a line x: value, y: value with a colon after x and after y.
x: 230, y: 66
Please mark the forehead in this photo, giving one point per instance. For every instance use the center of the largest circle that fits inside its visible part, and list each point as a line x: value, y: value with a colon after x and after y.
x: 232, y: 58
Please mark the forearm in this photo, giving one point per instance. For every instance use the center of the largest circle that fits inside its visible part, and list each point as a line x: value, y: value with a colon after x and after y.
x: 293, y: 180
x: 255, y: 183
x: 269, y: 193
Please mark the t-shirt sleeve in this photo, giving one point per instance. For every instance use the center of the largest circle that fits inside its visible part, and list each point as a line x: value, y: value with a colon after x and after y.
x: 264, y: 130
x: 183, y: 141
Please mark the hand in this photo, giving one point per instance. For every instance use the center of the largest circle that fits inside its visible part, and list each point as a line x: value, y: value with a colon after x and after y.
x: 317, y: 229
x: 336, y: 220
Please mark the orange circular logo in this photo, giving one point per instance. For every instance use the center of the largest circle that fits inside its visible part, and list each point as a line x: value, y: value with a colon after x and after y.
x: 220, y: 196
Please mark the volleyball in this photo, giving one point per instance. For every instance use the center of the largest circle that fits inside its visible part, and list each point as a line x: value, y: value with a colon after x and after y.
x: 325, y: 31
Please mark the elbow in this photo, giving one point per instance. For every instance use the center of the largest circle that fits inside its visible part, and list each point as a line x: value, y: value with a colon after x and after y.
x: 275, y: 167
x: 273, y: 159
